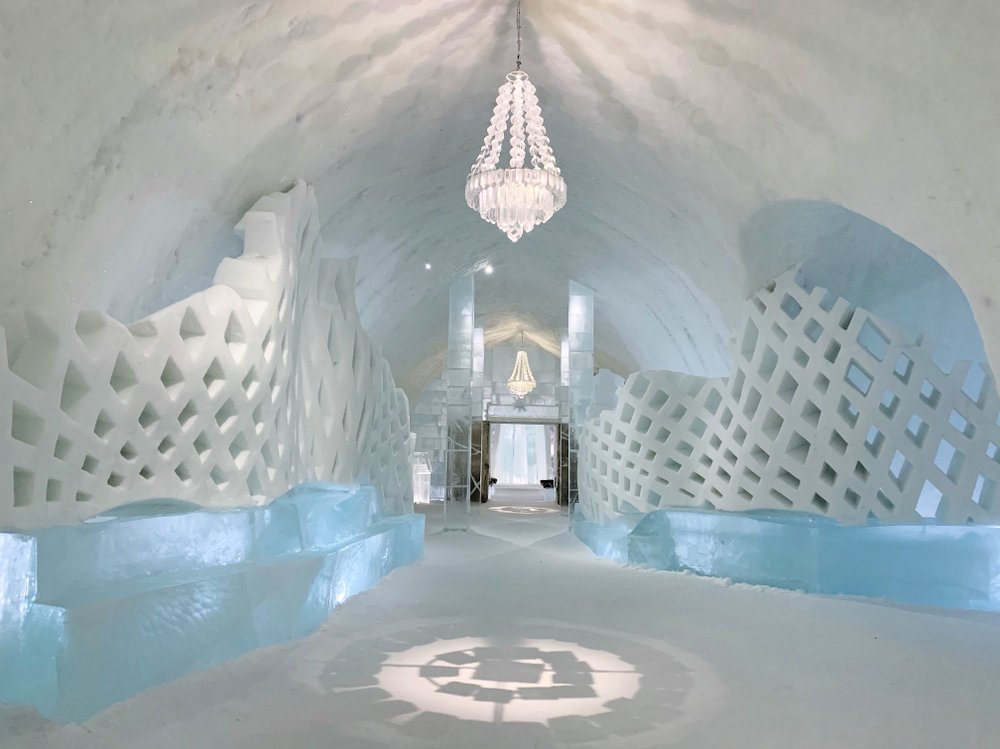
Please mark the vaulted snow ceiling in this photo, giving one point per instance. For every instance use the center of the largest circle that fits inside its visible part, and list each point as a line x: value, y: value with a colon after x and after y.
x: 135, y: 135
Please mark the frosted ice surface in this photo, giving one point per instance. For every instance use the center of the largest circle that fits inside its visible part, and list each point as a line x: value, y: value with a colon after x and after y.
x: 956, y: 566
x: 93, y: 613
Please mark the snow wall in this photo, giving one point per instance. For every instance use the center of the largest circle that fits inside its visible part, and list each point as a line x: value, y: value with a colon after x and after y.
x: 231, y: 396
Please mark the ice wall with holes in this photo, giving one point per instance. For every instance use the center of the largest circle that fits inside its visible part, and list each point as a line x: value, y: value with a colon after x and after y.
x: 827, y: 411
x: 263, y: 381
x: 94, y: 612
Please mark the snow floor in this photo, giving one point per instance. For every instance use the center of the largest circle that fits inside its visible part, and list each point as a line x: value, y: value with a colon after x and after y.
x: 513, y: 635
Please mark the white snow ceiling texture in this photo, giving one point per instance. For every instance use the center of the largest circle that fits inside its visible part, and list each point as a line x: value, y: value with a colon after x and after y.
x: 135, y: 135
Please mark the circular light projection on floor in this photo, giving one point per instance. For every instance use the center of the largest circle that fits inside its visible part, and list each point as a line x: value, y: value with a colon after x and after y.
x: 522, y: 510
x: 533, y: 681
x: 515, y: 683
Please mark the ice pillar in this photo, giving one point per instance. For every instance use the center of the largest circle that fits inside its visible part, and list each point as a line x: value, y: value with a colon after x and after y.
x: 459, y: 406
x: 580, y: 358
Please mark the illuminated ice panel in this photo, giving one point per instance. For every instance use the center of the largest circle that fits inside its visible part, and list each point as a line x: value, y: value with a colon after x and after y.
x: 956, y: 566
x: 93, y: 613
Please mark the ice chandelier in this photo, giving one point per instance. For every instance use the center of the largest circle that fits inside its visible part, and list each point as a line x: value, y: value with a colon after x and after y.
x: 521, y: 380
x: 516, y: 199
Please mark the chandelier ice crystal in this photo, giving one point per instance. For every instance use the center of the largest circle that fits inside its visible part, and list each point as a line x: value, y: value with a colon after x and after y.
x: 516, y: 198
x: 521, y: 381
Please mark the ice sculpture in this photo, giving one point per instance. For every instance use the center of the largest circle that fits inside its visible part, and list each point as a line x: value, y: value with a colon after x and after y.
x: 94, y: 612
x: 937, y: 565
x: 260, y: 382
x: 828, y: 410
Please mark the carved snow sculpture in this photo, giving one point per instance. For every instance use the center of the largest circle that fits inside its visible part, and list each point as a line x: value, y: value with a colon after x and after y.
x: 263, y: 381
x: 827, y: 411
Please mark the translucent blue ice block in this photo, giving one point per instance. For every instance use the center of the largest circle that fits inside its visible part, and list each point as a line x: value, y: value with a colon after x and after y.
x: 936, y: 565
x: 93, y: 613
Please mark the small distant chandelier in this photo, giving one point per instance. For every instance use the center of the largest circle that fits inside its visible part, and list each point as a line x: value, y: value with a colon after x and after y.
x: 521, y: 380
x: 516, y: 199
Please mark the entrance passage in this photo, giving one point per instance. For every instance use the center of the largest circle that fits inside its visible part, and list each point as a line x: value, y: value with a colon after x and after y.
x: 522, y: 454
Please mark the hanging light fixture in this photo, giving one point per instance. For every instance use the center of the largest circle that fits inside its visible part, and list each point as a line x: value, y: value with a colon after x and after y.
x: 521, y: 380
x: 517, y: 198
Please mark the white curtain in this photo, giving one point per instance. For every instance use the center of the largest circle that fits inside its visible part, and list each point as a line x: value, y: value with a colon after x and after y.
x: 522, y: 453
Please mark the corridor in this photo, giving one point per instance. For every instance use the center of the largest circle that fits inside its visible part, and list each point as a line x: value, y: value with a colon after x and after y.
x: 513, y: 635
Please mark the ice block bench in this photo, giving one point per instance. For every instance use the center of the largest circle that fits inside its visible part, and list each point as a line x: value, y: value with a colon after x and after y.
x: 93, y: 613
x: 955, y: 566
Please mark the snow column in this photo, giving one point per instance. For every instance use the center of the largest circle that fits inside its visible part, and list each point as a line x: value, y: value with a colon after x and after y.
x: 580, y: 339
x: 461, y: 327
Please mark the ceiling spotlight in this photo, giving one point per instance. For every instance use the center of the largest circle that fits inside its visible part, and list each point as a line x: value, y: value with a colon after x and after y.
x: 427, y: 266
x: 488, y: 269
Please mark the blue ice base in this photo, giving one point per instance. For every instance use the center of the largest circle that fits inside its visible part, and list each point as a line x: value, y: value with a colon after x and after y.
x: 91, y: 614
x: 953, y: 566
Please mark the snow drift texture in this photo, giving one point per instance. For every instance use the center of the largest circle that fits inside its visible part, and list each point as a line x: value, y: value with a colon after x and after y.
x: 261, y: 382
x: 92, y: 613
x: 827, y: 411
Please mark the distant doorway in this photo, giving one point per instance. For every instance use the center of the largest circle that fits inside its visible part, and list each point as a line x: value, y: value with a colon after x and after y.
x: 523, y: 461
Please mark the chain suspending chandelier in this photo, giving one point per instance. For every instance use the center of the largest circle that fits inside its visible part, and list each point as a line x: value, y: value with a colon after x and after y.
x: 517, y: 198
x: 521, y: 381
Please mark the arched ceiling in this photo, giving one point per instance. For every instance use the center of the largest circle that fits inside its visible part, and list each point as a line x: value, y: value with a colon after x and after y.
x: 136, y: 134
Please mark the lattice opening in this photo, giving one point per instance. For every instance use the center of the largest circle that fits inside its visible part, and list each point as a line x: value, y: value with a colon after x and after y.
x: 752, y: 403
x: 929, y: 501
x: 813, y: 330
x: 820, y: 504
x: 790, y: 306
x: 961, y: 424
x: 639, y: 386
x: 874, y: 441
x: 187, y: 414
x: 128, y: 452
x: 53, y: 490
x: 873, y: 340
x: 832, y: 352
x: 788, y: 478
x: 166, y: 445
x: 798, y: 447
x: 149, y: 418
x: 215, y: 378
x: 858, y: 378
x: 788, y: 387
x: 749, y: 344
x: 25, y: 426
x: 948, y: 460
x: 916, y: 430
x: 62, y: 448
x: 828, y: 475
x: 899, y: 470
x: 713, y: 401
x: 771, y: 426
x: 24, y: 487
x: 838, y: 443
x: 103, y: 425
x: 800, y: 357
x: 123, y: 376
x: 983, y: 492
x: 190, y: 326
x: 171, y: 376
x: 780, y: 498
x: 930, y: 394
x: 889, y: 403
x: 848, y: 411
x: 74, y: 389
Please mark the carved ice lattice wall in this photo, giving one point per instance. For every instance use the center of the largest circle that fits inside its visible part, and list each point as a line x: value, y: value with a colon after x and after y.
x: 260, y: 382
x: 826, y: 411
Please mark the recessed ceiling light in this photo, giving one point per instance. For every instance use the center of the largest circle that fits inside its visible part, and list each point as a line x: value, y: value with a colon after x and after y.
x: 488, y: 269
x: 427, y: 266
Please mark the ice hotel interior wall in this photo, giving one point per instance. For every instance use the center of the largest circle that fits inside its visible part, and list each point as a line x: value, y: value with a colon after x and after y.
x: 258, y: 383
x: 827, y: 410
